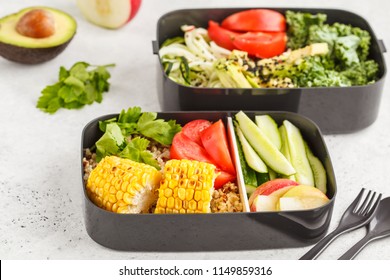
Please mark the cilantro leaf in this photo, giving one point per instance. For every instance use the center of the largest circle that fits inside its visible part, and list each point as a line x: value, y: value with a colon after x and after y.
x: 83, y: 84
x: 131, y: 122
x: 136, y: 150
x: 110, y: 143
x: 157, y: 129
x: 49, y: 100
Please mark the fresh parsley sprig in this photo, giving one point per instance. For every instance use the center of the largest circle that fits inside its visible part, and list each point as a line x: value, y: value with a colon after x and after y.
x: 82, y: 84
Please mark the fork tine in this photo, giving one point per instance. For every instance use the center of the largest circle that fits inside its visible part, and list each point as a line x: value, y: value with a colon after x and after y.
x: 368, y: 207
x: 354, y: 203
x: 364, y: 203
x: 376, y: 205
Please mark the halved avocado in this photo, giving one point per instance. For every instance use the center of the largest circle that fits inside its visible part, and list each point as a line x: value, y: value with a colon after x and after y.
x: 24, y: 49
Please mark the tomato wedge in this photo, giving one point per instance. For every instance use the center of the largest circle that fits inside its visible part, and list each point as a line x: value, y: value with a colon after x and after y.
x: 262, y: 44
x: 193, y: 129
x: 183, y: 148
x: 221, y: 36
x: 223, y: 178
x: 215, y: 142
x: 256, y: 20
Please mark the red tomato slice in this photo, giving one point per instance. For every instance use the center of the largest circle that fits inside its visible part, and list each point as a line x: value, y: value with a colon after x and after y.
x: 215, y: 142
x: 193, y: 129
x: 221, y: 36
x: 256, y: 20
x: 183, y: 148
x: 223, y: 178
x: 262, y: 44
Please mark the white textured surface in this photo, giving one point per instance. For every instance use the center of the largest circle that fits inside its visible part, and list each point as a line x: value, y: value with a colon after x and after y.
x: 41, y: 202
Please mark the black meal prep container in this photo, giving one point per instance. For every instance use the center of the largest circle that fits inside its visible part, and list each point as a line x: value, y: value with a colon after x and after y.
x: 333, y: 109
x: 214, y: 231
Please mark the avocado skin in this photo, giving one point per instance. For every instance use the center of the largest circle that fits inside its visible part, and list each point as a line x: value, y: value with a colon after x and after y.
x: 31, y: 55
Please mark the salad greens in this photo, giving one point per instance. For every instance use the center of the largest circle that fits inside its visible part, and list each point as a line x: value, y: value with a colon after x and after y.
x: 346, y: 64
x: 80, y: 85
x: 142, y: 127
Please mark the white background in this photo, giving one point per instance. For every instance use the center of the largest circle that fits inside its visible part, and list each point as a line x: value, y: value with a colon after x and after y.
x: 40, y: 185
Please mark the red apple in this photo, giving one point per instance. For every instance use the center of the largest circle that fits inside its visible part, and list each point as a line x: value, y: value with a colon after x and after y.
x: 111, y: 14
x: 269, y: 187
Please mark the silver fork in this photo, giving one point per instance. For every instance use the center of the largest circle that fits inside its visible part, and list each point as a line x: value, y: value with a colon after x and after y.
x: 354, y: 217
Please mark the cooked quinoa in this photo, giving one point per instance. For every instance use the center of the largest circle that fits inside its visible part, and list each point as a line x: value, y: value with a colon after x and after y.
x: 225, y: 199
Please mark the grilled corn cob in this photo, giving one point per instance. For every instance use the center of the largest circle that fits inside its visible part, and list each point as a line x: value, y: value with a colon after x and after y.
x: 186, y: 187
x: 123, y: 186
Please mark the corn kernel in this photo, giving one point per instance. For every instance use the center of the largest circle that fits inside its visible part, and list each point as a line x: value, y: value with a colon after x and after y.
x: 175, y: 191
x: 124, y: 186
x: 121, y: 203
x: 123, y: 210
x: 127, y: 198
x: 119, y: 195
x: 163, y: 201
x: 189, y: 194
x: 173, y: 184
x: 206, y: 195
x: 198, y: 195
x: 181, y: 193
x: 112, y: 190
x: 168, y: 192
x: 192, y: 205
x: 112, y: 198
x: 178, y: 203
x: 171, y: 202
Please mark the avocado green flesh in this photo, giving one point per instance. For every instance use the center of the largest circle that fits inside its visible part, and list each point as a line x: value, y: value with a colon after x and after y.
x: 65, y: 28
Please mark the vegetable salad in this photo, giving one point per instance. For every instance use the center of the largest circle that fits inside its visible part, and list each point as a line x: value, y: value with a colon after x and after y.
x: 316, y: 54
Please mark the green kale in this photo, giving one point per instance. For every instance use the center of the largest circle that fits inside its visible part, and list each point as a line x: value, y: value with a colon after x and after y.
x: 347, y: 44
x: 361, y: 73
x: 313, y: 71
x: 345, y: 64
x: 299, y: 24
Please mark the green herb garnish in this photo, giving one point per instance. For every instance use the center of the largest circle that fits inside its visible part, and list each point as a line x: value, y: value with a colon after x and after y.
x: 80, y: 85
x: 143, y: 127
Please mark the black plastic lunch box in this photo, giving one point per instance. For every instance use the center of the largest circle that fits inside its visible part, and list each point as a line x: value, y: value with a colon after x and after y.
x: 334, y: 109
x: 214, y: 231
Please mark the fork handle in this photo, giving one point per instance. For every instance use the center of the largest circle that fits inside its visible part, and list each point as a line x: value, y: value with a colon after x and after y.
x: 355, y: 249
x: 321, y: 245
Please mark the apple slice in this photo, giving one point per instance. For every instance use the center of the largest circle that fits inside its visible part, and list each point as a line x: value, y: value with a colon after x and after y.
x: 264, y: 203
x: 271, y: 186
x: 300, y: 203
x: 268, y: 202
x: 109, y: 13
x: 302, y: 198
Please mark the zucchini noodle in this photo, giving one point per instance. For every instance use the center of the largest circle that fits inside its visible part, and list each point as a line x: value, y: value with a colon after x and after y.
x: 192, y: 62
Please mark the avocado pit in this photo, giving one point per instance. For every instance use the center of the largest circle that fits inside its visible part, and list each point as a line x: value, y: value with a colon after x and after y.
x: 36, y: 23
